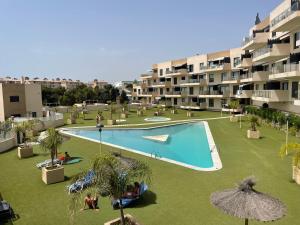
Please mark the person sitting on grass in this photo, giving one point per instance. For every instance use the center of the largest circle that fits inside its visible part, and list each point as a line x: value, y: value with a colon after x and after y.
x: 65, y: 157
x: 91, y: 202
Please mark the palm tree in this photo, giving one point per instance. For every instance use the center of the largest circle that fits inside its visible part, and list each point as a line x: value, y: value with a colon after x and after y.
x: 233, y: 105
x: 291, y: 149
x: 113, y: 175
x: 51, y: 143
x: 253, y: 122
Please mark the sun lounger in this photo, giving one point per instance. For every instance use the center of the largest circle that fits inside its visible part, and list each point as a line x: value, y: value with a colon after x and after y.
x: 80, y: 184
x: 128, y: 201
x: 47, y: 163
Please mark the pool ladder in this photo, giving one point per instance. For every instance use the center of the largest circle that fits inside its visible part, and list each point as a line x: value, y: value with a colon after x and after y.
x: 155, y: 155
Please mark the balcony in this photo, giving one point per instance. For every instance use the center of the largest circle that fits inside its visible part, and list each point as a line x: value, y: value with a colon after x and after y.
x: 267, y: 54
x: 214, y: 94
x: 173, y: 94
x: 255, y: 42
x: 177, y: 72
x: 271, y: 95
x: 194, y: 105
x: 255, y: 76
x: 244, y: 94
x: 230, y: 80
x: 285, y: 71
x: 218, y: 67
x: 245, y: 63
x: 287, y: 20
x: 194, y: 82
x: 158, y: 84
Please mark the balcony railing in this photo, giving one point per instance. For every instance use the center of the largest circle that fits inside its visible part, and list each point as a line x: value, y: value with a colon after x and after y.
x: 231, y: 78
x: 261, y: 52
x: 217, y: 92
x: 286, y: 13
x: 286, y: 68
x: 176, y: 71
x: 271, y: 95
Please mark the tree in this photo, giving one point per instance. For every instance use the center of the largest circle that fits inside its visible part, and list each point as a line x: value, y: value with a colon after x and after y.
x: 113, y: 175
x: 234, y: 105
x: 123, y: 97
x: 253, y: 122
x: 291, y: 149
x: 51, y: 143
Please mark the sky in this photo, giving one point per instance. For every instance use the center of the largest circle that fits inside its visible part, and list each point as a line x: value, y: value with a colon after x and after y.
x: 116, y: 40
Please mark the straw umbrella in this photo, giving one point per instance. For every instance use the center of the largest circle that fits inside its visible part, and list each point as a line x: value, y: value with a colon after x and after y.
x: 247, y: 203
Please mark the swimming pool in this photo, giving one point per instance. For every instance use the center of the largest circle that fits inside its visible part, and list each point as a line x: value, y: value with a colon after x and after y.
x: 190, y: 145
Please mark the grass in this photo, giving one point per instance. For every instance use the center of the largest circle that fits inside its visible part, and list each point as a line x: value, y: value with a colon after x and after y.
x: 178, y: 195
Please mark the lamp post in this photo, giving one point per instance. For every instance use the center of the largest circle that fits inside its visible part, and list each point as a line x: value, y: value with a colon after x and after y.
x: 287, y: 131
x: 99, y: 126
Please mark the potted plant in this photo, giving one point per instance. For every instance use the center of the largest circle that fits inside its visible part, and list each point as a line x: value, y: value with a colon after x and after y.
x: 253, y: 133
x: 111, y: 121
x: 25, y: 149
x: 139, y: 111
x: 53, y: 173
x: 189, y: 113
x: 294, y: 150
x: 124, y: 113
x: 73, y: 116
x: 173, y: 110
x: 128, y: 220
x: 233, y: 106
x: 19, y: 130
x: 112, y: 177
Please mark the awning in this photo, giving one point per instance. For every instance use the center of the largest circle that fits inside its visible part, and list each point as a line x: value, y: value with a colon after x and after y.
x: 180, y: 65
x: 217, y: 59
x: 281, y: 60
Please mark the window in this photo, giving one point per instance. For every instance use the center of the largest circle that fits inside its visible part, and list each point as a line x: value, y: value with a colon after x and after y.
x: 202, y: 67
x: 211, y: 78
x: 175, y: 101
x: 14, y: 98
x: 182, y: 78
x: 191, y: 92
x: 223, y: 76
x: 161, y: 91
x: 294, y: 89
x: 191, y: 68
x: 175, y: 80
x: 297, y: 40
x: 236, y: 61
x: 167, y: 70
x: 211, y: 102
x: 285, y: 86
x: 161, y: 72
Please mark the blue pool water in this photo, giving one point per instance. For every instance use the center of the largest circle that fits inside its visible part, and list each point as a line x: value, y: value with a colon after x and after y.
x: 187, y: 143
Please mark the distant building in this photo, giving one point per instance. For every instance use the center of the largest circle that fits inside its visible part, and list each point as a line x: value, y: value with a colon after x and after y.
x: 20, y: 100
x: 97, y: 83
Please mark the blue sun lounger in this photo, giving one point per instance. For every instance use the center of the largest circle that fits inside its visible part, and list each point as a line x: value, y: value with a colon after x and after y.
x: 128, y: 201
x: 80, y: 184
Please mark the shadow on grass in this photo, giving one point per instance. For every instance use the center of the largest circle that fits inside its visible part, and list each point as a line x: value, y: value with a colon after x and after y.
x: 9, y: 219
x: 148, y: 198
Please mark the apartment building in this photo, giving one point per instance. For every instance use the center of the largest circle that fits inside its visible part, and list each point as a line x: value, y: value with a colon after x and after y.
x: 97, y: 83
x: 264, y: 71
x: 20, y: 100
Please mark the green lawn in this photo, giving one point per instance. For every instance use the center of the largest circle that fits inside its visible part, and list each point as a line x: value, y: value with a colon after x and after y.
x: 178, y: 195
x: 90, y: 118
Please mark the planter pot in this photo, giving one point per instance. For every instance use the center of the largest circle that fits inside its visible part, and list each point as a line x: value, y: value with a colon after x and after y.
x: 53, y: 175
x: 25, y: 151
x: 189, y: 114
x: 234, y: 119
x: 173, y: 111
x: 140, y: 113
x: 71, y: 121
x: 124, y: 115
x: 296, y: 174
x: 118, y: 221
x: 111, y: 122
x: 253, y: 134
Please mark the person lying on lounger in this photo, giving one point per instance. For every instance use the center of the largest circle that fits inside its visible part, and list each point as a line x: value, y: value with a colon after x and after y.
x: 132, y: 191
x: 91, y: 202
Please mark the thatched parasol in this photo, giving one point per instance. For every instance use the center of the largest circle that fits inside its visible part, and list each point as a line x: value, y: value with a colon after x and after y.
x: 247, y: 203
